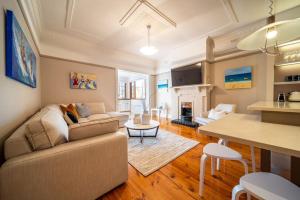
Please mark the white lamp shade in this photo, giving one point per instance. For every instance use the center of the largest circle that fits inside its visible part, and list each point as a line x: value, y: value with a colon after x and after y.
x: 148, y: 50
x: 286, y: 31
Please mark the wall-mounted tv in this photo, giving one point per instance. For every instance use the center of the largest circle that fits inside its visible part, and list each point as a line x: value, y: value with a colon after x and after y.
x: 187, y: 75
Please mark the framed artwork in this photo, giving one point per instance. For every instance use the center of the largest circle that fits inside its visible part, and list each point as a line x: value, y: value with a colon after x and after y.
x: 238, y: 78
x: 20, y: 59
x: 163, y: 84
x: 83, y: 81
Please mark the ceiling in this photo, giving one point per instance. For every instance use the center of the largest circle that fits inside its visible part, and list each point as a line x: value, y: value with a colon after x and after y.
x: 97, y: 21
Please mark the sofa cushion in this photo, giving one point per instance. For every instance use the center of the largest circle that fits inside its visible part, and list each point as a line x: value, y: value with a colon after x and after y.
x: 48, y: 131
x: 96, y: 108
x: 83, y: 110
x: 70, y: 108
x: 92, y: 128
x: 83, y: 120
x: 98, y: 117
x: 122, y: 117
x: 203, y: 121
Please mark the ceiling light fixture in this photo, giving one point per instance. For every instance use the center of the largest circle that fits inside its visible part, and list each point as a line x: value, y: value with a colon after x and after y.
x: 148, y: 50
x: 137, y: 4
x: 269, y: 38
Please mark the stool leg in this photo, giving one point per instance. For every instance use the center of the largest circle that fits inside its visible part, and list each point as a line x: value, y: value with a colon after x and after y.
x: 221, y: 141
x: 202, y: 173
x: 213, y: 162
x: 237, y: 191
x: 253, y: 158
x: 244, y: 162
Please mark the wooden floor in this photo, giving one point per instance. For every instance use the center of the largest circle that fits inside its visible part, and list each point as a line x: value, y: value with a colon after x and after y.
x: 180, y: 178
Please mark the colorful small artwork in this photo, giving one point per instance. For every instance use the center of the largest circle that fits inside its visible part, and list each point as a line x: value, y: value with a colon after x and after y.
x: 238, y: 78
x: 163, y: 84
x: 20, y: 59
x: 83, y: 81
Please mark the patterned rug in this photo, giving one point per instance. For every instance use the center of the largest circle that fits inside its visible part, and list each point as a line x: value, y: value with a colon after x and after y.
x: 154, y: 153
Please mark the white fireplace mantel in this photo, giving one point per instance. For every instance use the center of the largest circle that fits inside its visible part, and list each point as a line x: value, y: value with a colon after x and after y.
x: 209, y: 87
x: 198, y: 95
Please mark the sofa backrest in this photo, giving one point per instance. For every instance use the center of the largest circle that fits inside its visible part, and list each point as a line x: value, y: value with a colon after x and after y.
x: 17, y: 144
x: 96, y: 108
x: 228, y: 108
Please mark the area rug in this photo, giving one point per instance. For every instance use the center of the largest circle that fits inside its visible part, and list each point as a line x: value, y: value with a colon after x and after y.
x: 154, y: 153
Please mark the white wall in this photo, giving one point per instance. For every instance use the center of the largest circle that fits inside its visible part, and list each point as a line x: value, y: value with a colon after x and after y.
x: 18, y: 101
x: 166, y: 97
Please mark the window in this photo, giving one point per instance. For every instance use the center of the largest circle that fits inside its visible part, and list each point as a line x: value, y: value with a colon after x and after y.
x: 138, y: 89
x: 122, y: 90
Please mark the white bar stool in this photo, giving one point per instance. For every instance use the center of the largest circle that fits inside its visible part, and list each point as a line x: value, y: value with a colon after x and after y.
x: 217, y: 151
x: 224, y: 142
x: 263, y: 185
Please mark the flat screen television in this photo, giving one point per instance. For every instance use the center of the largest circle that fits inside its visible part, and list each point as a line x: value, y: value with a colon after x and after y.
x: 187, y: 75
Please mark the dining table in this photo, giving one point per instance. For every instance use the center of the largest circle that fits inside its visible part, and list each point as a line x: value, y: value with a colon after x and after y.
x: 248, y: 129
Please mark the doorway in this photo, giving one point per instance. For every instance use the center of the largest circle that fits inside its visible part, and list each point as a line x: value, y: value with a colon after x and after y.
x: 133, y: 92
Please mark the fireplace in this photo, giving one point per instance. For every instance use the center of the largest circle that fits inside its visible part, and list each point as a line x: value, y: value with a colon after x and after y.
x: 186, y: 111
x: 185, y: 116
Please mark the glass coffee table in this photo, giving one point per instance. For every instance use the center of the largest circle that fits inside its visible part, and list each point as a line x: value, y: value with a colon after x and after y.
x: 141, y: 128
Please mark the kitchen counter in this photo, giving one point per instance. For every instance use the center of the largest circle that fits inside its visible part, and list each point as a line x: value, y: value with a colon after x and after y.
x: 290, y: 107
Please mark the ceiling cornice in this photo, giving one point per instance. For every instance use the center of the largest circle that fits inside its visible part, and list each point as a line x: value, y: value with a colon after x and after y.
x: 31, y: 15
x: 229, y: 10
x: 69, y: 13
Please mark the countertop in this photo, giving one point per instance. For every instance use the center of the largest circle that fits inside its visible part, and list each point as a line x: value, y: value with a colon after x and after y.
x: 248, y: 129
x: 293, y: 107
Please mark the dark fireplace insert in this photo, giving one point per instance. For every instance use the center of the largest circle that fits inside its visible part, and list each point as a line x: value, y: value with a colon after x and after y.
x: 186, y: 115
x: 186, y: 111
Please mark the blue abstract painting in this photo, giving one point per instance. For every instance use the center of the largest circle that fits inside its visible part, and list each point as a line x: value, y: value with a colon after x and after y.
x: 238, y: 78
x: 20, y: 59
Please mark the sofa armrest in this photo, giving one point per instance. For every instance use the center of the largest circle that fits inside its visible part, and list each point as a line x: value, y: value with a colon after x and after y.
x: 83, y: 169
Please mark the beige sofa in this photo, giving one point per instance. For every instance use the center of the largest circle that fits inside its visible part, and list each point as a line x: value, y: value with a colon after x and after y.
x: 89, y: 162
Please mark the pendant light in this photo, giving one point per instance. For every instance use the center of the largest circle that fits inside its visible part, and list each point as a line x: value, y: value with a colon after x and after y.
x: 148, y: 50
x: 270, y: 37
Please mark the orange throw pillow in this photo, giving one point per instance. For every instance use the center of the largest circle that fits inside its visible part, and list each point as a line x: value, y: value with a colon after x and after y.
x: 70, y: 108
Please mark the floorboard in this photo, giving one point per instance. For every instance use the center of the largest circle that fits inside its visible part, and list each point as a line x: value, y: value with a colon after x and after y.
x: 180, y: 178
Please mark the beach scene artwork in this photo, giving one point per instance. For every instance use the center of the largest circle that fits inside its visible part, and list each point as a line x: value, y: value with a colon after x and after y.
x: 238, y: 78
x: 163, y: 85
x: 20, y: 58
x: 83, y: 81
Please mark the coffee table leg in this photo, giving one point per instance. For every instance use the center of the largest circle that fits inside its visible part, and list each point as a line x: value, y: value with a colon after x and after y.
x: 141, y: 134
x: 128, y: 132
x: 156, y: 131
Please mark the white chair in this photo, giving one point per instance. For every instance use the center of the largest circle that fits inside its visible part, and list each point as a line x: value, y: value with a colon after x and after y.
x: 263, y: 185
x: 217, y: 151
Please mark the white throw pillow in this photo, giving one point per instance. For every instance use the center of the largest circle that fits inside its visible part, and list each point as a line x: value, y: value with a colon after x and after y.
x: 213, y: 114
